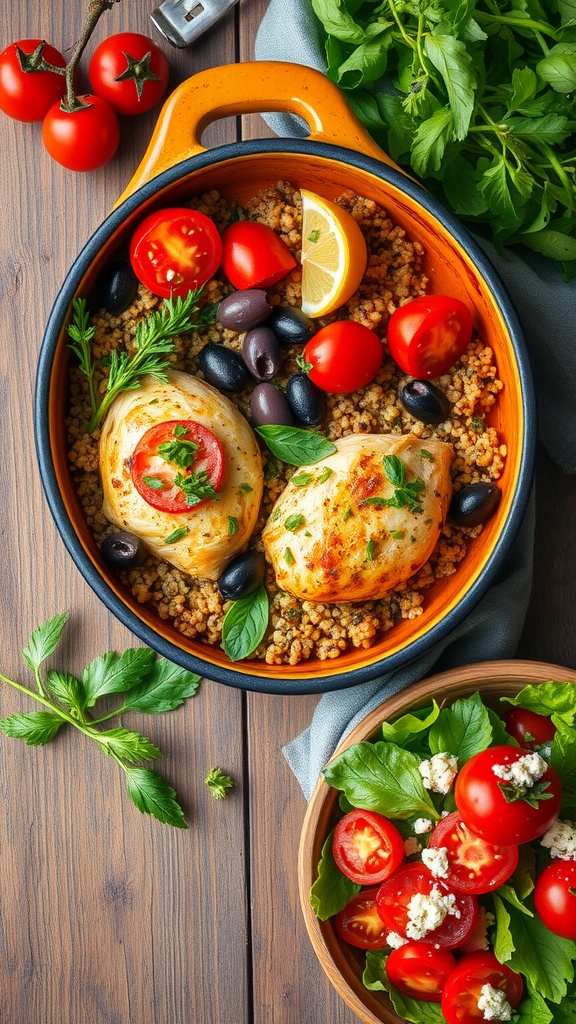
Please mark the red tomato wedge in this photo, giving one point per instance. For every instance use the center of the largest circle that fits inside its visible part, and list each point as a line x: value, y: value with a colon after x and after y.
x: 475, y: 865
x: 463, y: 989
x: 177, y: 466
x: 176, y: 250
x: 394, y: 903
x: 254, y: 256
x: 428, y: 335
x: 367, y: 847
x: 420, y: 971
x: 359, y: 922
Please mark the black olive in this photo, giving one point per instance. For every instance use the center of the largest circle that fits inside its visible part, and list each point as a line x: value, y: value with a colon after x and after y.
x: 242, y: 575
x: 262, y: 353
x: 269, y: 405
x: 291, y: 325
x: 306, y: 400
x: 244, y: 309
x: 122, y: 550
x: 116, y: 287
x: 474, y: 504
x: 424, y: 401
x: 223, y: 367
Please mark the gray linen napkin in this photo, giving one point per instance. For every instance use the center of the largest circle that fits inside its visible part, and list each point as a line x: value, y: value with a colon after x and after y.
x: 546, y: 308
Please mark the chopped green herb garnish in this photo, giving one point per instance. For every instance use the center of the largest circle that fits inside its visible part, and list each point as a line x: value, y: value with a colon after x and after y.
x: 272, y: 468
x: 180, y: 430
x: 425, y: 454
x: 218, y: 783
x: 314, y: 236
x: 289, y: 557
x: 195, y: 486
x: 478, y: 422
x: 405, y: 494
x: 176, y: 535
x: 324, y: 474
x: 397, y: 534
x: 232, y: 526
x: 294, y: 522
x: 246, y: 488
x: 347, y: 514
x: 379, y: 502
x: 302, y: 479
x: 370, y: 547
x: 155, y: 482
x: 307, y: 533
x: 180, y: 453
x: 276, y: 514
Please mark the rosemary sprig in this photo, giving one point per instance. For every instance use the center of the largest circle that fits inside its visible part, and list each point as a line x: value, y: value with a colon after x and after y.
x: 82, y: 333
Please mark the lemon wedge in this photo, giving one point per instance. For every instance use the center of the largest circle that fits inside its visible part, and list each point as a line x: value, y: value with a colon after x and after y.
x: 334, y: 255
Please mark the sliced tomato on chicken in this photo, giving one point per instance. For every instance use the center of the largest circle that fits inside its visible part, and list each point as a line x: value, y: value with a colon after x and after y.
x: 474, y: 865
x: 177, y: 466
x: 367, y: 847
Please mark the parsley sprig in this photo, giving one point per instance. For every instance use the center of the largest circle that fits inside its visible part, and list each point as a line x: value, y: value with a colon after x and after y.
x: 218, y: 783
x: 149, y: 685
x: 153, y: 341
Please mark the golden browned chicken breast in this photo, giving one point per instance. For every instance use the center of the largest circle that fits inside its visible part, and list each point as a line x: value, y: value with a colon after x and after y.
x: 359, y: 522
x: 202, y: 537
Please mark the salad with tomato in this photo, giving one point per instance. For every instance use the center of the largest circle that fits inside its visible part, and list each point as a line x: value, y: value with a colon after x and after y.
x: 453, y: 862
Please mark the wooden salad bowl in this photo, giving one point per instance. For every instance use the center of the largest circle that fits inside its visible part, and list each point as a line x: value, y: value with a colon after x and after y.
x: 342, y: 963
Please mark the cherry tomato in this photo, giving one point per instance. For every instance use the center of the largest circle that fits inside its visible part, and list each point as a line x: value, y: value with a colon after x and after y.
x: 254, y: 256
x: 367, y: 847
x: 27, y: 86
x: 464, y: 987
x: 555, y: 898
x: 194, y: 452
x: 528, y: 728
x: 413, y: 880
x: 475, y: 865
x: 130, y: 71
x: 420, y: 970
x: 175, y: 250
x: 499, y: 811
x: 344, y: 356
x: 84, y: 139
x: 429, y: 334
x: 359, y: 922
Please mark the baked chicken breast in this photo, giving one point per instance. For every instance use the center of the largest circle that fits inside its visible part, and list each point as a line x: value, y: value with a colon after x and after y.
x: 362, y: 520
x: 209, y: 535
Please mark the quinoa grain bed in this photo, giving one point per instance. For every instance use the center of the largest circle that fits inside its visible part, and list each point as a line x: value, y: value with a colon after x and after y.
x: 299, y: 630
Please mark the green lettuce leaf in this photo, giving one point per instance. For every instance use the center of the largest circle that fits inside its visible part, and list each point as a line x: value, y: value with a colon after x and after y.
x: 382, y: 777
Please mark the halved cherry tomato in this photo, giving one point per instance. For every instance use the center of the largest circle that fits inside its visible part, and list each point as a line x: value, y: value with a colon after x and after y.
x: 367, y: 847
x: 343, y: 356
x: 428, y: 335
x: 394, y: 897
x: 528, y: 728
x: 28, y: 88
x: 464, y: 987
x: 176, y: 250
x: 420, y: 970
x: 555, y: 898
x: 254, y: 256
x: 475, y: 865
x: 498, y: 811
x: 177, y: 466
x: 359, y: 922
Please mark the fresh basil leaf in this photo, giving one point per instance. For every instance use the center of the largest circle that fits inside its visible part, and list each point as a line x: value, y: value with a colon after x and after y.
x: 495, y: 188
x: 451, y: 58
x: 152, y: 795
x: 523, y: 88
x: 68, y: 689
x: 554, y: 244
x: 545, y: 959
x: 113, y: 673
x: 36, y: 728
x: 508, y: 893
x: 44, y: 641
x: 165, y: 688
x: 499, y: 735
x: 502, y: 938
x: 551, y: 129
x: 126, y: 745
x: 461, y: 180
x: 558, y: 68
x: 534, y: 1010
x: 295, y: 445
x: 430, y: 141
x: 381, y: 777
x: 374, y: 976
x: 463, y: 729
x: 548, y: 698
x: 407, y: 730
x: 332, y: 890
x: 245, y: 624
x: 337, y: 21
x: 366, y: 63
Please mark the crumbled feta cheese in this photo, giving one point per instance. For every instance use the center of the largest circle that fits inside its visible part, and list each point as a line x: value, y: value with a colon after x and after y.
x: 422, y: 825
x: 436, y: 860
x: 395, y: 941
x: 560, y: 839
x: 524, y: 772
x: 493, y: 1004
x: 439, y: 772
x: 411, y: 845
x: 426, y: 912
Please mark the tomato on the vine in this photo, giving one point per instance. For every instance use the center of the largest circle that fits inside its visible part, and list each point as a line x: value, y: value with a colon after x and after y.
x: 359, y: 922
x: 82, y: 139
x: 463, y: 989
x: 367, y: 847
x: 394, y: 897
x: 254, y: 256
x: 474, y: 865
x: 555, y: 898
x: 343, y: 356
x: 501, y: 811
x: 177, y: 466
x: 419, y: 970
x: 130, y: 71
x: 28, y: 88
x: 428, y: 335
x: 175, y: 250
x: 528, y: 728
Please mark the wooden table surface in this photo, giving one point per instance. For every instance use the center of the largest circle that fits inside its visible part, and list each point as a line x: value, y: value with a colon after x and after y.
x: 107, y: 916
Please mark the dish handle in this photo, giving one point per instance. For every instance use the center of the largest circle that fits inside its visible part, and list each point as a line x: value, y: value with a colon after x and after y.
x: 250, y: 87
